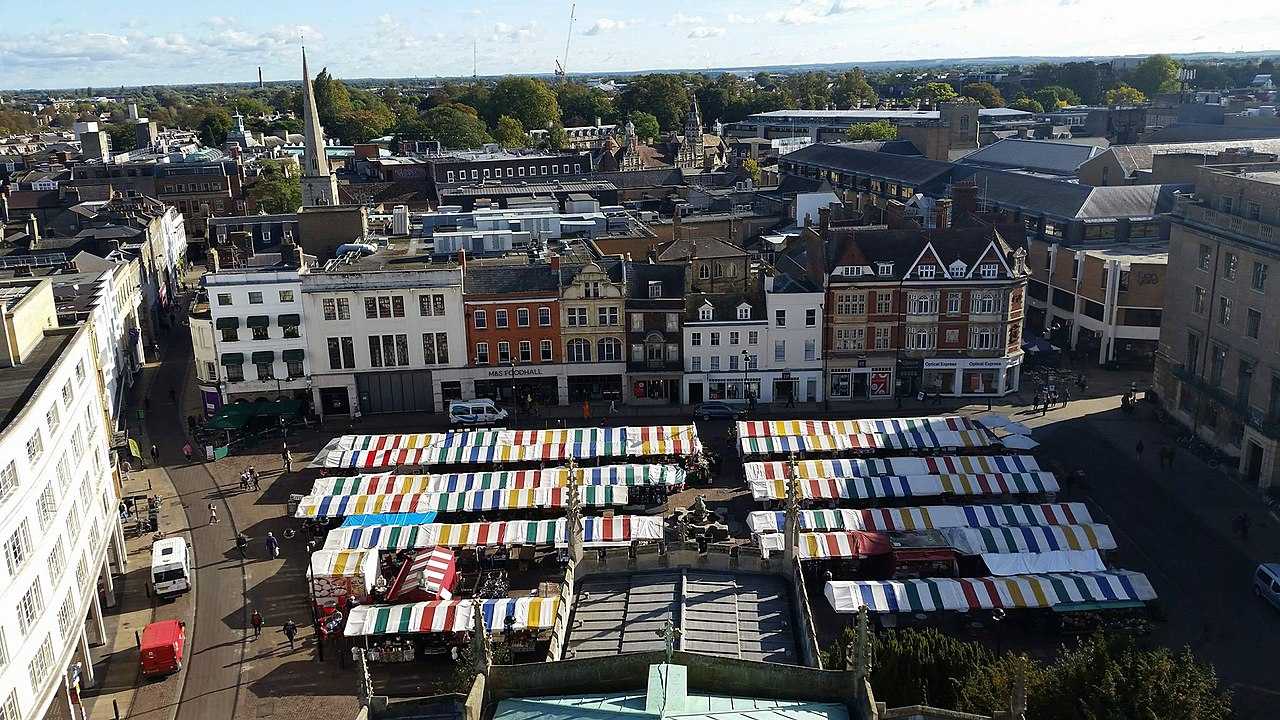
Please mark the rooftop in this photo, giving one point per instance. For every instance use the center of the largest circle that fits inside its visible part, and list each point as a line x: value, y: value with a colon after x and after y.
x: 18, y: 384
x: 735, y: 615
x: 550, y: 188
x: 1151, y: 254
x: 1056, y: 158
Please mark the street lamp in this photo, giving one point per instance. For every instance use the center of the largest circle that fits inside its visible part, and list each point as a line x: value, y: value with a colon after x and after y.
x: 745, y: 394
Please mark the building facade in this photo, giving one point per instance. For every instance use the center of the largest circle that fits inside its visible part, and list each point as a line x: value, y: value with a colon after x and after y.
x: 258, y: 333
x: 1216, y: 370
x: 724, y: 336
x: 654, y: 308
x: 592, y: 312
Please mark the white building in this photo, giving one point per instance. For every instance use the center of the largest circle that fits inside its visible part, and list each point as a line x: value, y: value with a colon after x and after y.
x: 259, y: 339
x: 57, y: 506
x: 377, y: 330
x: 792, y: 367
x: 112, y: 296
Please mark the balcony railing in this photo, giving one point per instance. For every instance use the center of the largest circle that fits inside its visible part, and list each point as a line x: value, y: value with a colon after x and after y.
x: 1253, y: 417
x: 1195, y: 212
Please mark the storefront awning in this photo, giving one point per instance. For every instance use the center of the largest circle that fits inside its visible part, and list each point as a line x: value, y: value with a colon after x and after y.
x: 264, y: 356
x: 232, y: 358
x: 258, y: 321
x: 227, y: 323
x: 284, y: 320
x: 293, y: 355
x: 987, y: 593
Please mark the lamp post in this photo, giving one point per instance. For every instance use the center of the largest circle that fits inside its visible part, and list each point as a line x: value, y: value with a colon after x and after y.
x: 745, y: 393
x: 515, y: 401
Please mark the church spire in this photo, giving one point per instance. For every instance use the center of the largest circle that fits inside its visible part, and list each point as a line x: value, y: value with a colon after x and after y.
x: 319, y: 185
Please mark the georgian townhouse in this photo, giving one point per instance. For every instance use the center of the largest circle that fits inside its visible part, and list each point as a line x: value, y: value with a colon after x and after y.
x: 654, y: 307
x: 592, y: 297
x: 725, y: 335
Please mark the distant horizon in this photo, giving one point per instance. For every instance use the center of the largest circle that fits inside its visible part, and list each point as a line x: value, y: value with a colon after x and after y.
x: 55, y: 44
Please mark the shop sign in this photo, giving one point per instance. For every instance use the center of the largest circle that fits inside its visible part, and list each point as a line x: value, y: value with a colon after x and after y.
x: 910, y: 366
x: 515, y: 372
x: 977, y: 364
x: 879, y: 384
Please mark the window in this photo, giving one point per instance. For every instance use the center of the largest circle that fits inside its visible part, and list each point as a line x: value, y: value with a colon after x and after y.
x: 224, y: 298
x: 637, y: 322
x: 882, y: 338
x: 695, y: 339
x: 544, y: 317
x: 52, y: 419
x: 592, y: 289
x: 260, y: 333
x: 1253, y: 323
x: 1230, y: 266
x: 752, y: 362
x: 953, y: 303
x: 57, y: 560
x: 1224, y: 310
x: 982, y: 338
x: 35, y: 447
x: 695, y: 364
x: 266, y: 370
x: 607, y: 315
x: 66, y: 394
x: 1227, y: 203
x: 235, y: 372
x: 370, y: 308
x: 255, y: 298
x: 851, y: 304
x: 1253, y: 211
x: 884, y: 303
x: 286, y: 296
x: 811, y: 317
x: 41, y: 663
x: 504, y: 351
x: 673, y: 322
x: 655, y: 289
x: 610, y: 349
x: 30, y: 606
x: 704, y: 313
x: 576, y: 317
x: 329, y: 308
x: 920, y: 338
x: 290, y: 330
x: 811, y: 349
x: 1217, y: 361
x: 47, y: 506
x: 779, y: 350
x: 500, y: 318
x: 734, y: 337
x: 482, y: 353
x: 884, y: 269
x: 715, y: 363
x: 341, y: 353
x: 780, y: 318
x: 1206, y: 254
x: 922, y: 303
x: 481, y: 320
x: 715, y: 339
x: 230, y: 335
x: 744, y: 312
x: 1259, y: 280
x: 925, y: 272
x: 544, y: 349
x: 983, y: 303
x: 578, y: 350
x: 293, y: 369
x: 526, y: 351
x: 522, y: 317
x: 989, y: 271
x: 18, y: 547
x: 704, y: 272
x: 66, y: 616
x: 753, y: 337
x: 1201, y: 300
x: 8, y: 480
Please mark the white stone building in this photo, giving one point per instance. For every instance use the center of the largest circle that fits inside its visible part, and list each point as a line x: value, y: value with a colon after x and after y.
x: 58, y: 506
x: 791, y: 368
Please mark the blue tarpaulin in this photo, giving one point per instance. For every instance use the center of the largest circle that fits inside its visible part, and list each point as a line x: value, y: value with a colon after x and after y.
x: 389, y: 519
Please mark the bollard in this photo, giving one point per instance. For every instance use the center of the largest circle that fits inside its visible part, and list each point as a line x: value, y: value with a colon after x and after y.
x: 137, y: 639
x: 115, y: 708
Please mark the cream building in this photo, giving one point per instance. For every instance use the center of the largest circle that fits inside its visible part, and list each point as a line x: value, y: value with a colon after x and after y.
x: 591, y: 323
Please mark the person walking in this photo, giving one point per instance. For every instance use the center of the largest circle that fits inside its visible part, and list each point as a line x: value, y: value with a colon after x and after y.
x: 155, y: 454
x: 273, y: 546
x: 242, y: 544
x: 253, y: 477
x: 290, y: 631
x: 1139, y: 448
x: 586, y: 410
x: 186, y: 451
x: 613, y: 407
x: 213, y: 514
x: 286, y: 457
x: 256, y: 620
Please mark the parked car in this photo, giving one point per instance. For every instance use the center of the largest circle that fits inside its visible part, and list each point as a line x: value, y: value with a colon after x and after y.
x: 1266, y: 583
x: 717, y: 409
x: 481, y: 411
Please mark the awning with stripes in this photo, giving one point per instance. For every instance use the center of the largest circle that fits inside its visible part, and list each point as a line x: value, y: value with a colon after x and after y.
x: 891, y: 486
x: 440, y: 616
x: 329, y: 506
x: 926, y: 517
x: 988, y: 593
x: 976, y: 541
x: 597, y: 532
x: 362, y: 563
x: 430, y: 573
x: 866, y: 467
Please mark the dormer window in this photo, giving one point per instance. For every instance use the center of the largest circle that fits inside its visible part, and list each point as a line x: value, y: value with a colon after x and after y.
x: 925, y: 272
x: 704, y: 312
x: 884, y: 269
x: 988, y: 271
x: 704, y: 272
x: 655, y: 288
x: 957, y: 268
x: 744, y: 312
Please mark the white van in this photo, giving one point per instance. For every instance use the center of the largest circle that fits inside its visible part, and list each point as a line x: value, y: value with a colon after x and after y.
x: 170, y: 566
x: 481, y: 411
x: 1266, y: 583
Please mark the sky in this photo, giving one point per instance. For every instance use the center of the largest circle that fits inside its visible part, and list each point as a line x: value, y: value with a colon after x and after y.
x: 75, y: 43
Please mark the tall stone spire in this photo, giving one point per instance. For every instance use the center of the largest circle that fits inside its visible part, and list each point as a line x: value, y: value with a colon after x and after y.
x: 319, y: 185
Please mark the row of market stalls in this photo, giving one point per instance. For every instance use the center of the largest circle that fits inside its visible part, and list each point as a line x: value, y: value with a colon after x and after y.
x: 533, y: 534
x: 1060, y: 591
x: 487, y: 447
x: 865, y: 436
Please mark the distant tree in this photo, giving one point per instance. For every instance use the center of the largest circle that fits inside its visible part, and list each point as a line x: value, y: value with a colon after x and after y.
x: 752, y: 169
x: 557, y: 139
x: 357, y: 126
x: 1211, y: 76
x: 581, y: 105
x: 278, y: 188
x: 249, y: 106
x: 332, y: 97
x: 1156, y: 74
x: 663, y: 96
x: 810, y: 90
x: 453, y: 127
x: 526, y: 99
x: 985, y: 93
x: 213, y: 126
x: 473, y: 95
x: 647, y: 129
x: 13, y: 122
x: 934, y: 93
x: 1123, y: 94
x: 726, y: 98
x: 510, y: 133
x: 877, y: 130
x: 763, y: 80
x: 123, y: 136
x: 852, y: 89
x: 1027, y: 104
x: 1052, y: 97
x: 1083, y: 78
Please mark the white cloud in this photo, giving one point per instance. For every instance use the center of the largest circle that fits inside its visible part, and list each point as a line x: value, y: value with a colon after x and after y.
x: 514, y: 33
x: 805, y: 13
x: 605, y: 25
x: 840, y: 7
x: 702, y: 32
x: 736, y: 19
x: 680, y: 19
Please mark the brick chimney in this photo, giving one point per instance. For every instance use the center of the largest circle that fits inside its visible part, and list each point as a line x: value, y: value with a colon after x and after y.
x: 964, y: 199
x: 942, y: 214
x: 555, y: 263
x: 462, y: 259
x: 677, y: 229
x: 895, y: 215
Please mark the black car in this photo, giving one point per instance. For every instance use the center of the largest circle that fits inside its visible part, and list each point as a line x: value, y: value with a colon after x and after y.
x: 717, y: 409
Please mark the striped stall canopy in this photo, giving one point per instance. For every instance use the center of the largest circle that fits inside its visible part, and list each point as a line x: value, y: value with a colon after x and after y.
x: 395, y: 442
x: 999, y: 484
x: 988, y: 593
x: 383, y: 537
x: 926, y: 517
x: 341, y: 562
x: 327, y: 506
x: 632, y: 475
x: 663, y: 440
x: 771, y: 445
x: 621, y: 530
x: 886, y: 426
x: 430, y: 572
x: 842, y: 545
x: 894, y: 486
x: 598, y: 532
x: 440, y: 616
x: 976, y: 541
x: 877, y: 434
x: 864, y: 467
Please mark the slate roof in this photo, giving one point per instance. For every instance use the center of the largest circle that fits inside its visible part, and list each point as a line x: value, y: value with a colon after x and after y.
x: 843, y: 157
x: 892, y: 147
x: 660, y: 177
x: 610, y: 264
x: 1196, y: 132
x: 1066, y: 200
x: 1132, y: 157
x: 703, y: 247
x: 856, y: 246
x: 724, y: 306
x: 639, y: 274
x: 1036, y: 155
x: 508, y: 277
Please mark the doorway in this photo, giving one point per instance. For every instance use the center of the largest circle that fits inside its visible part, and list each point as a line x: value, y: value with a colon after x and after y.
x: 695, y: 393
x: 1253, y: 463
x: 334, y: 401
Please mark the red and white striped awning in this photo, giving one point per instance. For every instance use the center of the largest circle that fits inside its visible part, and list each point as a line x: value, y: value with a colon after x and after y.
x: 430, y: 573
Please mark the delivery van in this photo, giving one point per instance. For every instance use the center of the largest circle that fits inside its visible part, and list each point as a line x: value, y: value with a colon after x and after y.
x: 481, y: 411
x: 170, y: 567
x: 163, y: 642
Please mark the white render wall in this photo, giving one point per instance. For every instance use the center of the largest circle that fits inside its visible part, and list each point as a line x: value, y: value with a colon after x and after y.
x: 82, y: 520
x: 238, y: 285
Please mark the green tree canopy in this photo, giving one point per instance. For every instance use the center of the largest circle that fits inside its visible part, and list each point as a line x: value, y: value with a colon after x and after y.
x: 752, y: 169
x: 1024, y: 103
x: 985, y: 93
x: 13, y: 122
x: 647, y: 129
x: 526, y: 99
x: 332, y: 97
x: 1156, y: 74
x: 124, y: 136
x: 249, y: 106
x: 581, y: 105
x: 1081, y: 77
x: 510, y: 133
x: 1052, y: 97
x: 278, y: 188
x: 935, y: 92
x: 557, y: 139
x: 810, y: 90
x: 1123, y: 94
x: 452, y: 126
x: 878, y: 130
x: 852, y: 89
x: 661, y: 95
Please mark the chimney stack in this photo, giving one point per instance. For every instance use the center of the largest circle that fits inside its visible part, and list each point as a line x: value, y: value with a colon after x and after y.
x: 824, y: 219
x: 964, y: 199
x: 462, y: 259
x: 677, y: 229
x: 555, y: 263
x: 895, y: 215
x: 33, y: 232
x: 942, y: 214
x: 4, y: 207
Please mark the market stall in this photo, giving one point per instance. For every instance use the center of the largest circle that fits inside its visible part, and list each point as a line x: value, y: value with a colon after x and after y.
x: 597, y: 532
x: 987, y: 593
x: 1031, y: 539
x: 930, y: 516
x: 405, y: 632
x: 544, y: 498
x: 428, y: 575
x: 340, y: 576
x: 902, y: 466
x: 776, y: 437
x: 905, y: 486
x: 1051, y: 561
x: 630, y: 475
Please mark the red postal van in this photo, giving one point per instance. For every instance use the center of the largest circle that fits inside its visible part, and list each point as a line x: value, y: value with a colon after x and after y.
x: 162, y: 645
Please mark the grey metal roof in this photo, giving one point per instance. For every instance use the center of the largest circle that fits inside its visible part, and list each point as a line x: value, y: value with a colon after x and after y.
x: 729, y: 614
x: 1036, y: 155
x: 1068, y: 200
x: 844, y: 157
x: 640, y: 274
x: 1197, y: 132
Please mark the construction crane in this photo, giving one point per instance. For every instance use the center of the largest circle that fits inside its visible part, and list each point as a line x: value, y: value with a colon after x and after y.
x: 562, y: 69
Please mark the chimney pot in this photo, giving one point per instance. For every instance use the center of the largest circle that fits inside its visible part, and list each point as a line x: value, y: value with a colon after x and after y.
x: 462, y: 259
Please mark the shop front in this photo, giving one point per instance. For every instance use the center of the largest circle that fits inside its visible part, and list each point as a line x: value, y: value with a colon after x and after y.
x: 728, y: 387
x: 972, y: 376
x: 784, y: 386
x: 654, y: 388
x: 865, y: 380
x: 594, y: 382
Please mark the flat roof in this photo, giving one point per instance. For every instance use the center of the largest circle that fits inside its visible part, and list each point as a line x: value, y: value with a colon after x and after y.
x: 19, y: 383
x: 739, y: 615
x: 11, y: 295
x: 573, y: 186
x: 1152, y: 253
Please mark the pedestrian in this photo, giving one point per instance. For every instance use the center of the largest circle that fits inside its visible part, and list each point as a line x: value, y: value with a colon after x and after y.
x: 273, y: 546
x: 256, y: 620
x: 1066, y: 396
x: 213, y: 514
x: 244, y: 480
x: 254, y: 478
x: 155, y: 454
x: 613, y: 407
x: 287, y: 458
x: 586, y: 410
x: 290, y: 631
x: 1139, y: 448
x: 186, y: 451
x: 242, y: 544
